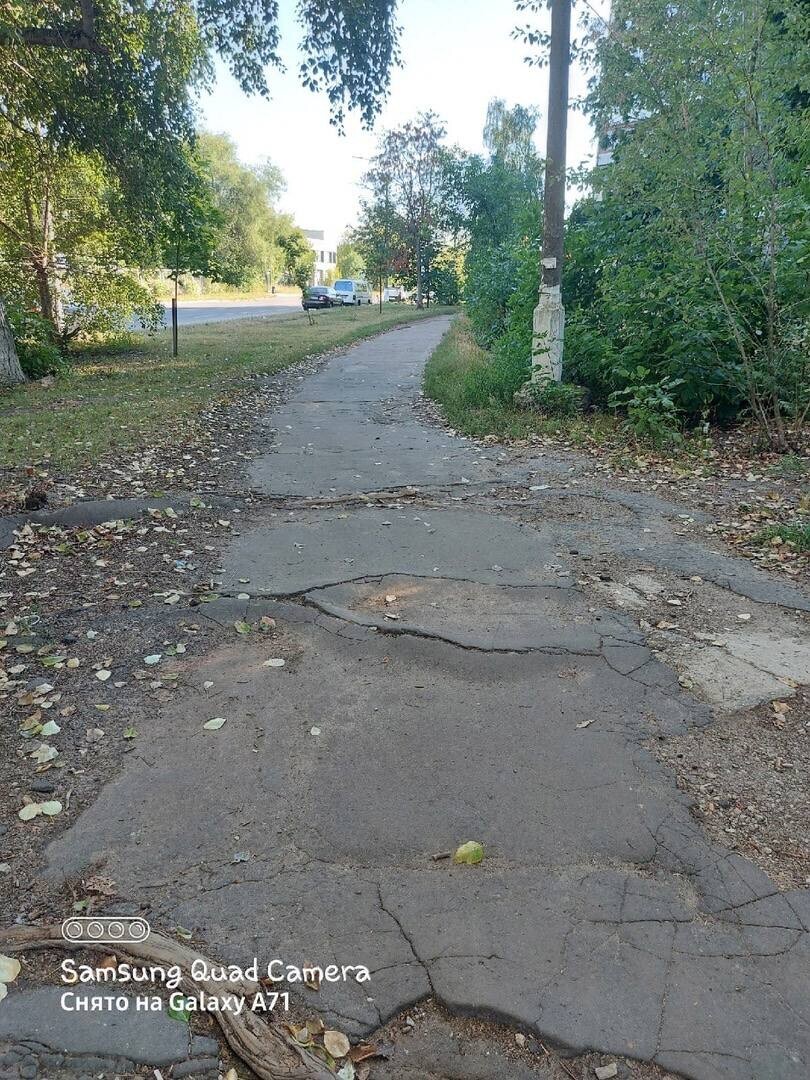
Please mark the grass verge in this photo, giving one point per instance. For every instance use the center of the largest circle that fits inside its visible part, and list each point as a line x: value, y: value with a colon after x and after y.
x: 457, y: 377
x: 115, y: 399
x: 797, y: 535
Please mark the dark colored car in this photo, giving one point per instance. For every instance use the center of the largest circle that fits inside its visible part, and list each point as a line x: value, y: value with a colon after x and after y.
x: 320, y: 296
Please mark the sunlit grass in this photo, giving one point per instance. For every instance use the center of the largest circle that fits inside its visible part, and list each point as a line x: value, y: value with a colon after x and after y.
x: 452, y: 379
x: 797, y: 535
x: 130, y: 394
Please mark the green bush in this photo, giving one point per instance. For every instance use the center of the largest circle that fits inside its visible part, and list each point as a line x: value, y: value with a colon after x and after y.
x: 39, y: 354
x: 652, y: 413
x: 553, y: 398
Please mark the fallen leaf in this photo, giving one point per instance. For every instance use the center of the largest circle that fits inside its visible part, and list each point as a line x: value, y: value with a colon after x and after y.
x: 275, y: 662
x: 29, y: 811
x: 336, y: 1043
x: 52, y: 808
x: 103, y: 675
x: 242, y: 627
x: 182, y: 1015
x: 9, y: 968
x: 606, y: 1072
x: 44, y: 753
x: 215, y: 723
x: 362, y: 1051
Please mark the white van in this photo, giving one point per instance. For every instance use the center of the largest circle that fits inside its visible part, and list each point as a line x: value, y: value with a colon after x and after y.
x: 395, y: 293
x: 352, y: 292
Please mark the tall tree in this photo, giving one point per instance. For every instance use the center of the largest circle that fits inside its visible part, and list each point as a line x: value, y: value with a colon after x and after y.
x: 500, y: 208
x: 10, y: 371
x: 350, y: 260
x: 706, y: 276
x: 299, y: 258
x: 114, y: 78
x: 407, y: 170
x: 250, y: 225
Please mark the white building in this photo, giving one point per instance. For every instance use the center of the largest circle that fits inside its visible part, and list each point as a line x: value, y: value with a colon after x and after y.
x: 325, y: 248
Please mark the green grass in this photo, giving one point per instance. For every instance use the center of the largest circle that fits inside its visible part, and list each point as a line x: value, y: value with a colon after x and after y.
x: 797, y: 535
x: 117, y: 398
x: 459, y: 377
x: 790, y: 467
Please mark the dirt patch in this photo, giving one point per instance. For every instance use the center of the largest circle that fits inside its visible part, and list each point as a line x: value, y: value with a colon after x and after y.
x: 428, y: 1043
x: 749, y: 776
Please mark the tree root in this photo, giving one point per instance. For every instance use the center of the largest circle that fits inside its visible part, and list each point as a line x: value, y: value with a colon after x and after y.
x: 269, y: 1049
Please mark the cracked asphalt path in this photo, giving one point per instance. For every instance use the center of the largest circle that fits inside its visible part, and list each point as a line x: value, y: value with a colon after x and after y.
x: 464, y: 686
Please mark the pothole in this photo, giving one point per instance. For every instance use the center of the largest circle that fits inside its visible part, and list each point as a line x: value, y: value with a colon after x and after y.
x: 476, y: 615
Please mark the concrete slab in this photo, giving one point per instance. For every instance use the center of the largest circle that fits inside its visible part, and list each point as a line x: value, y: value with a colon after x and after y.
x: 151, y: 1038
x: 507, y: 709
x: 310, y: 549
x: 488, y: 617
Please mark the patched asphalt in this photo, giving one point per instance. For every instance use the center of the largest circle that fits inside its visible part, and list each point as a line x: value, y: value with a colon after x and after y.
x: 448, y: 678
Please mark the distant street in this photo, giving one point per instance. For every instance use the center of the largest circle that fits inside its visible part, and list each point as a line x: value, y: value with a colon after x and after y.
x: 211, y: 310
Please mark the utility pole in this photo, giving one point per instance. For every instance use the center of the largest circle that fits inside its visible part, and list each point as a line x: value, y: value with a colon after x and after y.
x: 549, y: 315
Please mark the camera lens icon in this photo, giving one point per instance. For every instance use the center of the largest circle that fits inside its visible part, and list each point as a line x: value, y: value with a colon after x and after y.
x: 100, y: 930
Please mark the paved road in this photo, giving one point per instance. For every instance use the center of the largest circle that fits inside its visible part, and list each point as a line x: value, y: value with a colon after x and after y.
x: 191, y: 312
x: 449, y: 677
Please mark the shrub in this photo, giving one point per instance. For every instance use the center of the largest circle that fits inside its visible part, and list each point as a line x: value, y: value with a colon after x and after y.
x: 652, y: 413
x: 39, y: 354
x: 552, y: 398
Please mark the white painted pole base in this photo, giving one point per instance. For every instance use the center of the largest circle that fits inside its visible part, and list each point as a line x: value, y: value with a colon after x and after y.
x: 548, y: 334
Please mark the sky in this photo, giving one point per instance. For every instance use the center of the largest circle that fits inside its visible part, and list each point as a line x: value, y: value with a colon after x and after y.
x: 457, y: 55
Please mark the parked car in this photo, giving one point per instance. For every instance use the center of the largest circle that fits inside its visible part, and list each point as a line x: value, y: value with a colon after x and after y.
x: 353, y: 292
x: 395, y: 293
x: 320, y: 296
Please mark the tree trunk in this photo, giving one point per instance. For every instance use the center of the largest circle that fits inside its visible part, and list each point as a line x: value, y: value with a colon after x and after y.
x: 10, y: 371
x: 418, y: 271
x: 47, y: 308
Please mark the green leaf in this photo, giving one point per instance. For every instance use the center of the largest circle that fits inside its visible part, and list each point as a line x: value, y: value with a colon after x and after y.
x: 182, y: 1015
x: 469, y: 853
